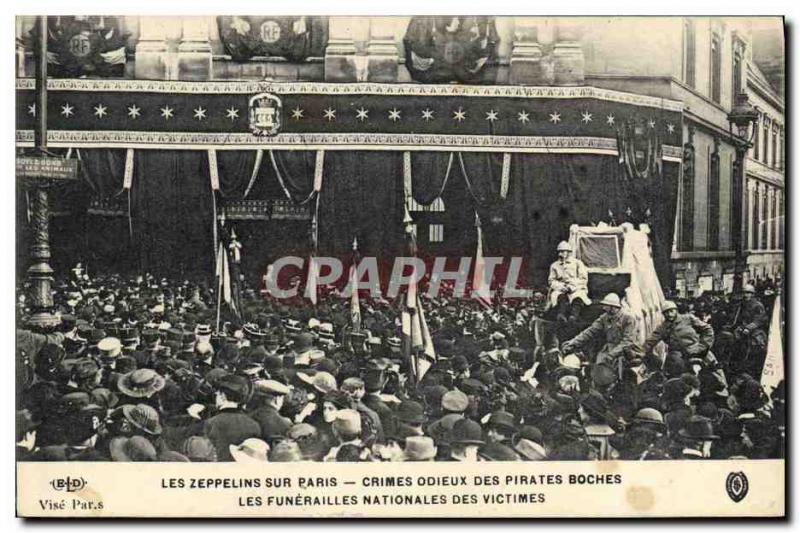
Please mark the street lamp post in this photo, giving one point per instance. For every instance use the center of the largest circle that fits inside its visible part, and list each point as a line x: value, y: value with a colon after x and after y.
x: 741, y: 117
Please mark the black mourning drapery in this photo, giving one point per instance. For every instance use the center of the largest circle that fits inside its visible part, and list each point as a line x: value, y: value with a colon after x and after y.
x: 172, y: 210
x: 362, y: 196
x: 549, y: 192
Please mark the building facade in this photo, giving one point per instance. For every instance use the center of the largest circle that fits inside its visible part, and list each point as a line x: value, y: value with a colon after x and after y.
x: 726, y: 225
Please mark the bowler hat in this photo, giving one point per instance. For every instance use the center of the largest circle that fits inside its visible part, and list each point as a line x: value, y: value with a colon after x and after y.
x: 410, y: 412
x: 285, y: 451
x: 466, y: 431
x: 502, y: 420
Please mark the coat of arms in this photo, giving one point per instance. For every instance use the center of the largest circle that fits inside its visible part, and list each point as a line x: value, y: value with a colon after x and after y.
x: 265, y: 114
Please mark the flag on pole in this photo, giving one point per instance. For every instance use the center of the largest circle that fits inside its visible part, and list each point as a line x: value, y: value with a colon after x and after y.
x: 481, y: 288
x: 773, y: 364
x: 355, y: 304
x: 417, y: 340
x: 224, y: 290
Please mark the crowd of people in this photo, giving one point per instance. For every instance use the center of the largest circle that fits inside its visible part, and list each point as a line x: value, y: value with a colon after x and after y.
x: 140, y: 369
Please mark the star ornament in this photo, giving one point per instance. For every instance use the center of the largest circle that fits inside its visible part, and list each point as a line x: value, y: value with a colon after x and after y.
x: 199, y: 113
x: 134, y: 112
x: 491, y: 116
x: 651, y: 123
x: 459, y: 115
x: 330, y: 114
x: 100, y: 110
x: 32, y: 110
x: 67, y: 110
x: 610, y: 120
x: 524, y: 117
x: 586, y: 117
x: 297, y: 113
x: 555, y: 117
x: 394, y: 115
x: 427, y: 114
x: 232, y: 113
x: 670, y: 128
x: 362, y: 114
x: 166, y: 112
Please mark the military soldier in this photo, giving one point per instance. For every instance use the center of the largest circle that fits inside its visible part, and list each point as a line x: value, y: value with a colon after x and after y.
x: 568, y: 281
x: 685, y: 335
x: 617, y: 326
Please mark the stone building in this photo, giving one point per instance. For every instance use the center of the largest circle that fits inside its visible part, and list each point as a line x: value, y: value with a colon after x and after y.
x: 724, y: 224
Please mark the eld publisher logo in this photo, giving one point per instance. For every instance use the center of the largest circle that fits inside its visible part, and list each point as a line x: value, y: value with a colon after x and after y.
x: 68, y: 484
x: 737, y: 486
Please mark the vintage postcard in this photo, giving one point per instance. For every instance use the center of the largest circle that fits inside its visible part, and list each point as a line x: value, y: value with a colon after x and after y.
x: 281, y: 260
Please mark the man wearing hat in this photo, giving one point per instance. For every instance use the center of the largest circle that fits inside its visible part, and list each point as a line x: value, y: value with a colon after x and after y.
x: 568, y: 282
x: 231, y: 425
x: 347, y: 430
x: 501, y: 427
x: 697, y: 438
x: 148, y: 352
x: 684, y: 334
x: 268, y: 396
x: 465, y: 437
x: 453, y: 403
x: 79, y: 423
x: 616, y: 327
x: 411, y: 417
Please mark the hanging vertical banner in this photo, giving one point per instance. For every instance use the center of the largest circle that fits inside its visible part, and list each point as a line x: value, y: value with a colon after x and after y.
x: 504, y: 176
x: 128, y: 176
x: 772, y: 374
x: 481, y: 287
x: 318, y: 170
x: 407, y: 175
x: 213, y: 170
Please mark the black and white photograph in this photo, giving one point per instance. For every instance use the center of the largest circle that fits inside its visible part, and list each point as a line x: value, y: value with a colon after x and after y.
x: 556, y: 242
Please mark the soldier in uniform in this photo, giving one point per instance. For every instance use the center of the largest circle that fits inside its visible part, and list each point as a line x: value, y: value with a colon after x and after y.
x: 685, y: 335
x: 568, y: 281
x: 617, y: 326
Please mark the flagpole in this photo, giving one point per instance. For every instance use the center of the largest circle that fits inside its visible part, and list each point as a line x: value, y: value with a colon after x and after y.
x: 219, y: 286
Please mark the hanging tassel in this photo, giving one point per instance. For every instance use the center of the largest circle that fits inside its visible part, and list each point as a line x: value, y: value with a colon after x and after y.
x: 505, y: 175
x: 254, y: 174
x: 213, y: 170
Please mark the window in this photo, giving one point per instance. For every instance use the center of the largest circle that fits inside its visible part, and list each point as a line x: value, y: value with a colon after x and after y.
x: 436, y: 233
x: 716, y: 67
x: 765, y: 138
x: 688, y: 52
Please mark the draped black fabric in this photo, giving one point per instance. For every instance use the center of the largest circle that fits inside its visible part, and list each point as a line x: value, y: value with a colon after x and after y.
x: 235, y: 168
x: 173, y: 213
x: 100, y: 242
x: 362, y: 197
x: 550, y: 192
x: 296, y: 170
x: 429, y: 174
